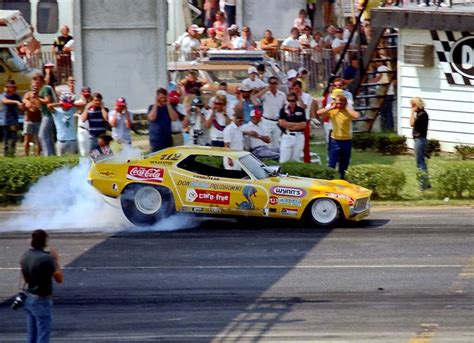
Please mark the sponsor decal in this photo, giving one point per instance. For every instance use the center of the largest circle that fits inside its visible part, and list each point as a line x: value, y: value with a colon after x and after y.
x: 150, y: 174
x: 284, y: 201
x: 107, y: 173
x: 197, y: 209
x: 213, y: 178
x: 340, y: 196
x: 289, y: 212
x: 290, y: 202
x: 266, y: 211
x: 288, y: 191
x: 248, y: 204
x: 207, y: 196
x: 163, y: 163
x: 214, y: 210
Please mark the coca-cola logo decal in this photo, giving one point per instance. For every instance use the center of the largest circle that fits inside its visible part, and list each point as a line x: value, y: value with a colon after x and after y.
x: 150, y: 174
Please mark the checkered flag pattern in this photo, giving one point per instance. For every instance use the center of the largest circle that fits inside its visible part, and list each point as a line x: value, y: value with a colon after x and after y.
x: 443, y: 42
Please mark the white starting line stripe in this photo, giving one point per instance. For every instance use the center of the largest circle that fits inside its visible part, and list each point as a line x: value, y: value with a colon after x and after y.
x: 340, y: 266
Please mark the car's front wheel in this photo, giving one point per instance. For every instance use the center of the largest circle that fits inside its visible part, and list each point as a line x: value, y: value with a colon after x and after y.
x: 145, y: 204
x: 323, y: 212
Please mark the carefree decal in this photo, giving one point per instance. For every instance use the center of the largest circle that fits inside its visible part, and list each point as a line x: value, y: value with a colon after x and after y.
x: 207, y: 196
x: 150, y: 174
x: 288, y: 191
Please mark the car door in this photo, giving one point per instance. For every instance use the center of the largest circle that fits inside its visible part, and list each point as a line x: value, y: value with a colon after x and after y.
x: 203, y: 185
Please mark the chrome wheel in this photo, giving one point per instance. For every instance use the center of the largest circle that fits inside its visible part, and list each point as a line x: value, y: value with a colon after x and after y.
x: 324, y: 211
x: 148, y: 200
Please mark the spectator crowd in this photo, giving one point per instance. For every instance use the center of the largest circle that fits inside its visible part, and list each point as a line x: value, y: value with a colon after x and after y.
x: 257, y: 117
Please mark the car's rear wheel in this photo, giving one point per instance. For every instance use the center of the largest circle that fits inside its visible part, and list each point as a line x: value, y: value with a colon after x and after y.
x: 146, y: 204
x: 323, y: 212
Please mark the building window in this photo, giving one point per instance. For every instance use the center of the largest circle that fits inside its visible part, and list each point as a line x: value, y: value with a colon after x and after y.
x: 47, y: 20
x: 21, y: 5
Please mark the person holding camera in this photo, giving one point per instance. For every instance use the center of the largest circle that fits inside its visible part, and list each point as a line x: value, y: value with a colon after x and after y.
x: 39, y: 268
x: 341, y: 115
x: 195, y: 121
x: 120, y: 119
x: 96, y: 113
x: 160, y: 116
x: 217, y: 120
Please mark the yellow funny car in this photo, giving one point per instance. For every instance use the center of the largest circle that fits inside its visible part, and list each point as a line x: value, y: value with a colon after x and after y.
x: 222, y: 182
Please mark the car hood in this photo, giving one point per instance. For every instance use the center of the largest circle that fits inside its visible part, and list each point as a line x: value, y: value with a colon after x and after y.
x: 320, y: 186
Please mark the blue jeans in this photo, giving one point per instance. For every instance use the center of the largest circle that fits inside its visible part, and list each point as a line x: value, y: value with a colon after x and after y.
x: 46, y: 136
x: 9, y: 140
x: 420, y: 152
x: 39, y: 318
x: 340, y: 153
x: 230, y: 14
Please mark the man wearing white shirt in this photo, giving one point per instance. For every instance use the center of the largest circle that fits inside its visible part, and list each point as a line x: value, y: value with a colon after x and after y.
x: 338, y: 44
x: 234, y: 139
x: 258, y: 138
x: 273, y: 101
x: 188, y: 43
x: 292, y: 47
x: 253, y: 81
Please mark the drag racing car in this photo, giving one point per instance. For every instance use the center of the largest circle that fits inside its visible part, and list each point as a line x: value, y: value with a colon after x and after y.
x: 222, y: 182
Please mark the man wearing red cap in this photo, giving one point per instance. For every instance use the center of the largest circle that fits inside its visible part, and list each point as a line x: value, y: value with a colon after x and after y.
x: 257, y: 137
x: 177, y: 125
x: 120, y: 119
x: 63, y: 116
x: 212, y: 42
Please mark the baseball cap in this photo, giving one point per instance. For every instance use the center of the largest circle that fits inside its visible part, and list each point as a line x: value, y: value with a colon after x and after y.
x: 11, y: 83
x: 252, y: 70
x: 233, y: 27
x: 196, y: 28
x: 120, y: 102
x: 337, y: 92
x: 49, y: 64
x: 85, y: 90
x: 256, y: 113
x: 292, y: 74
x: 173, y: 96
x: 245, y: 88
x: 66, y: 100
x: 302, y: 69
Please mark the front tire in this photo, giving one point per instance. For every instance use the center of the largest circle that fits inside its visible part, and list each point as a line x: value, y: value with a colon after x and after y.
x: 145, y: 204
x: 323, y: 212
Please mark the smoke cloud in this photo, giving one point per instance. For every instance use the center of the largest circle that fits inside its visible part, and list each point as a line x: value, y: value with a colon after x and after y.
x: 65, y: 201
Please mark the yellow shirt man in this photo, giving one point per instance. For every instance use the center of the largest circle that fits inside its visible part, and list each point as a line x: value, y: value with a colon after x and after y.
x: 341, y: 124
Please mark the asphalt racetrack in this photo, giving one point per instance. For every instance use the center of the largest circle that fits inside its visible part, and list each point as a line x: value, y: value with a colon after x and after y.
x: 403, y: 275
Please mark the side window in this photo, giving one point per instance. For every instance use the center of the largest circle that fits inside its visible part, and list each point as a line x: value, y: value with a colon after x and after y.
x: 210, y: 166
x: 21, y: 5
x: 47, y: 16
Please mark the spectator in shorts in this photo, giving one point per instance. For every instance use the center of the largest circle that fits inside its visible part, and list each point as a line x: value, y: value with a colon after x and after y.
x: 63, y: 116
x: 121, y: 120
x: 32, y: 120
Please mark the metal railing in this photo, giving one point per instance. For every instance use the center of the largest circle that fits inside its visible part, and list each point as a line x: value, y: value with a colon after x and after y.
x: 62, y: 63
x: 320, y: 63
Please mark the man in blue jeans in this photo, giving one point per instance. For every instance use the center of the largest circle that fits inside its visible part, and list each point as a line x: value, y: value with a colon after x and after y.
x: 38, y: 268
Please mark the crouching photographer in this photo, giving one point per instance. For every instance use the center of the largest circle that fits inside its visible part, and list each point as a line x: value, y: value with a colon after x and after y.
x: 38, y: 268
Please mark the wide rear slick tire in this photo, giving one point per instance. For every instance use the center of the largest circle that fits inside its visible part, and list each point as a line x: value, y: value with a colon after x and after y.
x: 145, y: 204
x: 323, y: 212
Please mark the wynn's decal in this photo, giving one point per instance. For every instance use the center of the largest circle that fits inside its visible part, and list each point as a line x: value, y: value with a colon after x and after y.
x: 288, y: 191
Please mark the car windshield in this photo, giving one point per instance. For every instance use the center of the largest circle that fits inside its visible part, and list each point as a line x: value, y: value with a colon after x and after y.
x: 12, y: 60
x: 229, y: 76
x: 255, y: 166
